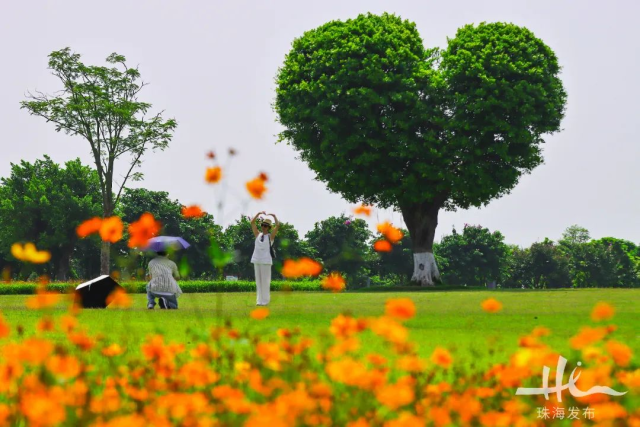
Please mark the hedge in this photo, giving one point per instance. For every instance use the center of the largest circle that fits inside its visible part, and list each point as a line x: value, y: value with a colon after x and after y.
x: 192, y: 286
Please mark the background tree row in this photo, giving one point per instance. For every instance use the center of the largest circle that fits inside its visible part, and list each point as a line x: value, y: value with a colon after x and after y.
x: 43, y: 203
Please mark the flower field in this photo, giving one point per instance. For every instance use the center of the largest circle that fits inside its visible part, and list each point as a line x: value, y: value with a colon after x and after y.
x: 411, y: 359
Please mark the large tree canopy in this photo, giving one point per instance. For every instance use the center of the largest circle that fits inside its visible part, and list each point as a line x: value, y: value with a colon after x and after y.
x: 382, y: 120
x: 101, y: 105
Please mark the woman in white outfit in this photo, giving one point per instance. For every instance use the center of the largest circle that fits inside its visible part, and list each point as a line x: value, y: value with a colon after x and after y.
x: 261, y: 259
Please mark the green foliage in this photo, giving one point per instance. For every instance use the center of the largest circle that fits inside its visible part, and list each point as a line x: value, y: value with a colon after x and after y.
x: 473, y: 258
x: 289, y: 245
x: 240, y: 239
x: 606, y: 262
x: 342, y: 244
x: 502, y: 92
x: 382, y: 120
x: 43, y: 203
x: 398, y: 263
x: 574, y: 235
x: 349, y: 96
x: 201, y: 233
x: 543, y: 265
x: 218, y: 256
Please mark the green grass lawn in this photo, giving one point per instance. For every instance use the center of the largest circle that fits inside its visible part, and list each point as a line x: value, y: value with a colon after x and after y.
x: 452, y: 319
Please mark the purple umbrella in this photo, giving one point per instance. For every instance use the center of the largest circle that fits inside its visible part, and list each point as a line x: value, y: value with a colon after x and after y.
x: 162, y: 243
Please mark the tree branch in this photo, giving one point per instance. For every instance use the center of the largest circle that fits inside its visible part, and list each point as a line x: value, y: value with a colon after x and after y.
x: 133, y: 164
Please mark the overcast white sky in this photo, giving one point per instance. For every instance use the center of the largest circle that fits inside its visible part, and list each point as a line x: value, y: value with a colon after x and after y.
x: 211, y: 66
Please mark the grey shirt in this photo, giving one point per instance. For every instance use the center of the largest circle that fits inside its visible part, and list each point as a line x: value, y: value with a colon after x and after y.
x: 163, y: 271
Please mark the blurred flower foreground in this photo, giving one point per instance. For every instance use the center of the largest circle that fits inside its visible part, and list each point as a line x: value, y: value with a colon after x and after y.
x: 64, y: 375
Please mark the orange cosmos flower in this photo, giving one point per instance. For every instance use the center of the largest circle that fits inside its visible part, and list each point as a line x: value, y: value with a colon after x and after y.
x: 213, y: 175
x: 68, y: 323
x: 587, y: 336
x: 303, y: 267
x: 272, y: 355
x: 411, y: 364
x: 382, y: 246
x: 46, y: 324
x: 111, y: 229
x: 81, y: 340
x: 389, y: 329
x: 263, y: 176
x: 42, y: 408
x: 392, y: 234
x: 223, y: 392
x: 395, y: 395
x: 5, y: 330
x: 192, y: 211
x: 256, y: 188
x: 42, y: 300
x: 362, y: 210
x: 112, y: 350
x: 63, y: 366
x: 440, y: 416
x: 602, y: 311
x: 540, y: 331
x: 347, y: 371
x: 88, y: 227
x: 346, y: 326
x: 376, y: 359
x: 400, y: 308
x: 333, y: 282
x: 360, y: 422
x: 197, y: 374
x: 406, y: 419
x: 441, y: 357
x: 620, y: 352
x: 630, y: 378
x: 142, y: 230
x: 119, y: 298
x: 29, y: 253
x: 260, y: 313
x: 491, y: 305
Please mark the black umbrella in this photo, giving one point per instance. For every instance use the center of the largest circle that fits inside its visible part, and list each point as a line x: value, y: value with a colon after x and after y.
x: 94, y: 293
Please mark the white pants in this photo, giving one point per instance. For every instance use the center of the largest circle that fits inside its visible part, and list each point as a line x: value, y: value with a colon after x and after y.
x: 263, y: 283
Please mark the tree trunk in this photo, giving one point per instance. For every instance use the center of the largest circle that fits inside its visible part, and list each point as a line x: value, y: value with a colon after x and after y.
x: 105, y: 258
x: 107, y: 211
x: 64, y: 265
x: 422, y: 220
x: 425, y: 270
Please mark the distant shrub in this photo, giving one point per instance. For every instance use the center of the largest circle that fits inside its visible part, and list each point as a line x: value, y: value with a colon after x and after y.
x: 189, y: 287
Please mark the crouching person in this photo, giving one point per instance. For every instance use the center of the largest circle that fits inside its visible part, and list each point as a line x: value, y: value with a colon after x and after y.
x: 163, y: 285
